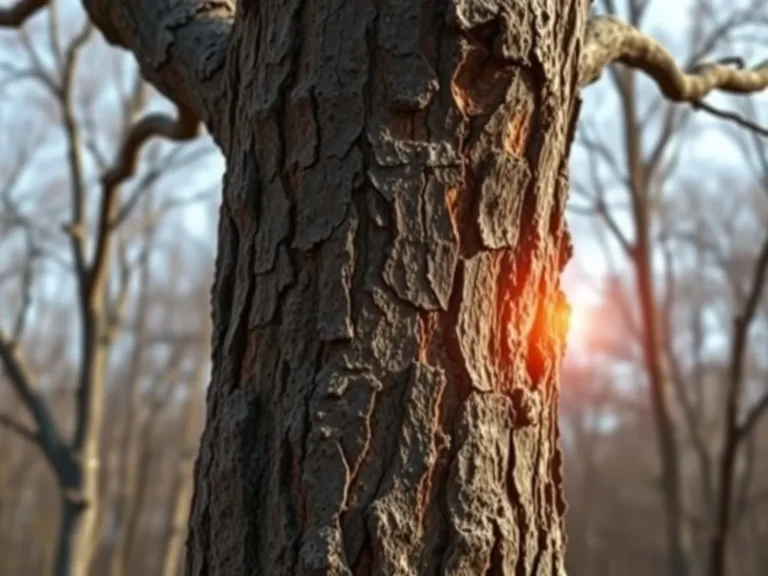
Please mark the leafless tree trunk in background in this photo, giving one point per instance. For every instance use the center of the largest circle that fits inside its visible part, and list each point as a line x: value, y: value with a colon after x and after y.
x: 738, y: 428
x: 130, y: 446
x: 183, y: 479
x: 642, y: 171
x: 74, y: 458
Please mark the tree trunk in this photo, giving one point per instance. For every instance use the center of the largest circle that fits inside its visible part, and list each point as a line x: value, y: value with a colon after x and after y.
x: 182, y: 486
x: 388, y: 319
x: 676, y: 529
x: 75, y: 541
x: 126, y: 506
x: 77, y: 467
x: 178, y: 515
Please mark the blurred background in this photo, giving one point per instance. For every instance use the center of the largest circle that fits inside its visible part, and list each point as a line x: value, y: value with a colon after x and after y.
x: 664, y: 401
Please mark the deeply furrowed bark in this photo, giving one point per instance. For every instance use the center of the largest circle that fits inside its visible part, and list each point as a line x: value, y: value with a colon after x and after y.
x: 388, y: 320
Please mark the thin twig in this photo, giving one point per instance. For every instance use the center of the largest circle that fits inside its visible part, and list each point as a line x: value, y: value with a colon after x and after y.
x: 753, y: 417
x: 732, y: 116
x: 18, y: 428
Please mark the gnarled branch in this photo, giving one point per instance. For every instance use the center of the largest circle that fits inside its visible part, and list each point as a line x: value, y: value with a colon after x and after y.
x: 180, y: 46
x: 609, y: 40
x: 184, y: 127
x: 20, y: 12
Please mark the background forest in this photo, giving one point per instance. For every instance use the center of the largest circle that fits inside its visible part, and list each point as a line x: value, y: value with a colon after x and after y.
x: 694, y: 182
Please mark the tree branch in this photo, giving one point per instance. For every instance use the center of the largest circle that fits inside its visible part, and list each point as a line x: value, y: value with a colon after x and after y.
x: 173, y: 160
x: 27, y: 275
x: 19, y: 429
x: 732, y: 116
x: 20, y: 12
x: 184, y: 127
x: 21, y: 381
x: 753, y: 417
x: 610, y: 40
x: 180, y: 47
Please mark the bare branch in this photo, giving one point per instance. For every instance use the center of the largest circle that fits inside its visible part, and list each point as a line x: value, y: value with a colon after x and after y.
x: 71, y: 55
x: 690, y: 415
x: 610, y: 40
x: 53, y: 34
x: 184, y: 61
x: 595, y: 147
x: 732, y: 116
x: 76, y: 229
x: 18, y: 428
x: 742, y: 326
x: 599, y: 203
x: 756, y: 291
x: 27, y: 276
x: 20, y: 12
x: 23, y: 384
x: 185, y: 127
x: 178, y: 158
x: 672, y: 123
x: 753, y: 417
x: 36, y: 68
x: 741, y: 496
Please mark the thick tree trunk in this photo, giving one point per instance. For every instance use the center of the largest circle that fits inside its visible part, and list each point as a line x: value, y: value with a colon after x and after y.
x: 388, y: 320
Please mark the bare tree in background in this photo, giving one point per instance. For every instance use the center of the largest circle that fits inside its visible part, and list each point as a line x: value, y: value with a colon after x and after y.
x: 640, y: 171
x: 183, y: 478
x: 98, y: 259
x: 388, y: 318
x: 743, y: 409
x: 141, y: 402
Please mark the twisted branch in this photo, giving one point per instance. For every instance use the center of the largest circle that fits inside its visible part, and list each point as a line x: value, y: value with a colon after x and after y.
x: 609, y: 40
x: 20, y: 12
x: 184, y: 127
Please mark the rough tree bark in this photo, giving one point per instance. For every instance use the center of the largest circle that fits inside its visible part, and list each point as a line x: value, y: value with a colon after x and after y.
x: 387, y: 308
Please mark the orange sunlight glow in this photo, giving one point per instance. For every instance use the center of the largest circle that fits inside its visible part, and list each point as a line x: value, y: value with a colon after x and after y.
x: 583, y: 316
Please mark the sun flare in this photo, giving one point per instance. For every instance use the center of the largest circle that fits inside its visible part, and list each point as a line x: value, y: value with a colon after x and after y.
x: 581, y: 318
